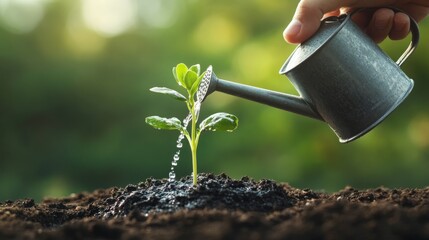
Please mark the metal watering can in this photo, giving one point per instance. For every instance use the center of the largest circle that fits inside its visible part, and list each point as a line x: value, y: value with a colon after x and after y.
x: 343, y: 78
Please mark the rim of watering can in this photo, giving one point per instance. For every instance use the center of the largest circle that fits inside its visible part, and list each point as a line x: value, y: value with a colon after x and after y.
x: 344, y: 18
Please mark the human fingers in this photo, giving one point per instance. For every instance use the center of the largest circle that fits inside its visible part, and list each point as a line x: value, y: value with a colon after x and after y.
x: 305, y: 22
x: 401, y: 26
x: 381, y: 24
x: 308, y: 14
x: 363, y: 18
x: 415, y: 10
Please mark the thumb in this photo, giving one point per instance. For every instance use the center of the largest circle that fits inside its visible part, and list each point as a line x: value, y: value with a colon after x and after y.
x: 306, y: 20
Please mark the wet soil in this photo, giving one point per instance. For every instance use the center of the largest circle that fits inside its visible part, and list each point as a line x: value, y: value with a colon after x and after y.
x: 220, y: 208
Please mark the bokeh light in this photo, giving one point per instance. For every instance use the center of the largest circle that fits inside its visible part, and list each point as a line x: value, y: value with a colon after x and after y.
x: 159, y: 13
x: 109, y: 17
x: 21, y: 16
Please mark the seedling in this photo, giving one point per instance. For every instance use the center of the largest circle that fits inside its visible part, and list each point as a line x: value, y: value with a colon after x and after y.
x: 190, y: 79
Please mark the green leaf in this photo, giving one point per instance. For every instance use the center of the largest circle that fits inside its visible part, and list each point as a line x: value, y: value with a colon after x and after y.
x: 196, y: 68
x: 181, y: 70
x: 194, y: 88
x: 165, y: 123
x: 190, y: 78
x: 220, y: 121
x: 169, y: 92
x: 175, y: 76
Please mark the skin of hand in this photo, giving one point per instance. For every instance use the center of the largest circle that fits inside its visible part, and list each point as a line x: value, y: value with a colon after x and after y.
x: 378, y: 24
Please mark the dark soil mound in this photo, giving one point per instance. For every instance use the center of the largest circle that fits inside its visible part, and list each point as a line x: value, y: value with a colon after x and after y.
x: 212, y: 192
x: 220, y: 208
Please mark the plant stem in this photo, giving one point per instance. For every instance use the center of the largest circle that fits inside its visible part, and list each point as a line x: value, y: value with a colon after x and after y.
x: 194, y: 165
x: 194, y: 145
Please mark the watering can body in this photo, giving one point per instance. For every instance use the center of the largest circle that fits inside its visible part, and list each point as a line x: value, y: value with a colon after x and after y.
x: 347, y: 79
x: 343, y: 78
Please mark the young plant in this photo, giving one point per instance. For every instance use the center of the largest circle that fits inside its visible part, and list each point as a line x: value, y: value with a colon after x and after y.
x: 190, y: 79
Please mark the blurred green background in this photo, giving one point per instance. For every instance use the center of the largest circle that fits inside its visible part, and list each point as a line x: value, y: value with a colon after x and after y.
x: 74, y: 80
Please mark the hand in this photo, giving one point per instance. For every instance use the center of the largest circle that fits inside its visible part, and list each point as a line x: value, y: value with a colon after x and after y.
x: 377, y: 24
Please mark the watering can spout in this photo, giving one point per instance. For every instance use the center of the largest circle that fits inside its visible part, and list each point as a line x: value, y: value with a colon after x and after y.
x: 279, y: 100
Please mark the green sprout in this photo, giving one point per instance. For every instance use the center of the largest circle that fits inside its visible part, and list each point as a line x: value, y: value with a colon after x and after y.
x: 190, y: 79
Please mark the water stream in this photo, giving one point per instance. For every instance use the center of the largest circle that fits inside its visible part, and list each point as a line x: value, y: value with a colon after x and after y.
x: 176, y: 157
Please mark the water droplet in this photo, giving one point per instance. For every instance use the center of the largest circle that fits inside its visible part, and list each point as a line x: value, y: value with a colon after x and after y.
x: 171, y: 176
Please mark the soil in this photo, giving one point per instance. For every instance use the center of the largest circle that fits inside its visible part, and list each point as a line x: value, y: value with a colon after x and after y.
x: 220, y: 208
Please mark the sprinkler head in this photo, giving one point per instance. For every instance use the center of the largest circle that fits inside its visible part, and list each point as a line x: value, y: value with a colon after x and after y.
x: 207, y: 85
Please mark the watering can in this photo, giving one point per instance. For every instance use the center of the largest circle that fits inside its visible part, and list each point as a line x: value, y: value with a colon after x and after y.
x: 343, y: 78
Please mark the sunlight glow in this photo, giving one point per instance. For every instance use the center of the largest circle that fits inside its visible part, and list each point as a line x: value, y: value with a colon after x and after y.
x: 109, y: 17
x: 217, y: 34
x: 249, y: 56
x: 159, y: 13
x: 82, y: 41
x: 21, y: 16
x: 418, y: 130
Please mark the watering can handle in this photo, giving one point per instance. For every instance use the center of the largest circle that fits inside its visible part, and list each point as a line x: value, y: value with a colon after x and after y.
x: 414, y: 29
